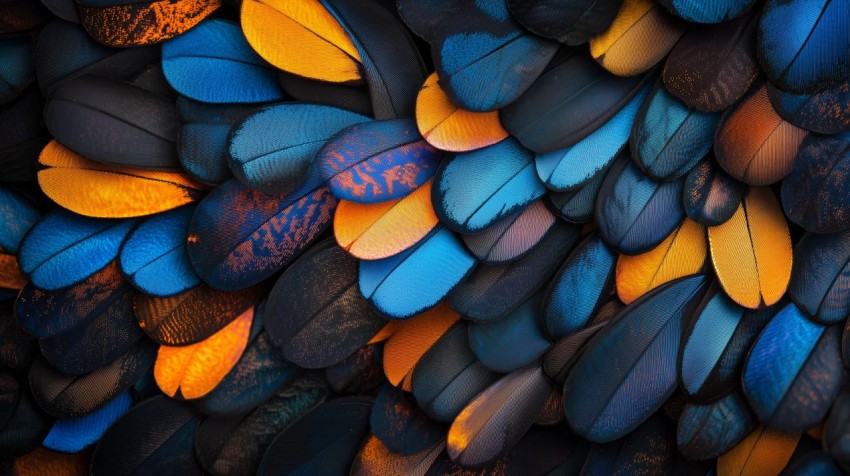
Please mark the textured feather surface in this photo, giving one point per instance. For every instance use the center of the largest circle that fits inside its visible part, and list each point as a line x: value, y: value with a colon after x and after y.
x: 375, y: 459
x: 561, y: 357
x: 603, y: 405
x: 315, y: 312
x: 17, y: 72
x: 710, y: 430
x: 824, y: 112
x: 572, y: 22
x: 648, y: 450
x: 708, y: 12
x: 25, y: 428
x: 819, y: 278
x: 711, y: 196
x: 576, y: 206
x: 359, y: 373
x: 763, y: 452
x: 412, y: 339
x: 400, y: 425
x: 18, y: 216
x: 751, y: 252
x: 424, y: 17
x: 72, y: 435
x: 42, y: 460
x: 354, y: 97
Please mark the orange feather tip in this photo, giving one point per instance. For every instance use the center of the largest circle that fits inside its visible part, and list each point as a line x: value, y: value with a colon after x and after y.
x: 412, y: 338
x: 10, y: 273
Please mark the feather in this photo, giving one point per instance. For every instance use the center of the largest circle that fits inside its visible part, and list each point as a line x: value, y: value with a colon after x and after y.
x: 814, y: 195
x: 234, y: 445
x: 707, y: 431
x: 43, y: 461
x: 360, y: 373
x: 400, y: 425
x: 713, y: 66
x: 152, y: 79
x: 25, y: 428
x: 634, y: 213
x: 814, y: 462
x: 108, y: 191
x: 819, y: 276
x: 650, y: 449
x: 481, y: 47
x: 154, y: 256
x: 416, y: 279
x: 566, y: 169
x: 214, y: 63
x: 63, y: 248
x: 114, y: 122
x: 711, y: 196
x: 804, y: 46
x: 66, y: 396
x: 273, y: 148
x: 449, y: 127
x: 582, y: 284
x: 448, y: 376
x: 24, y: 134
x: 354, y: 97
x: 166, y: 427
x: 315, y: 312
x: 642, y: 340
x: 17, y: 347
x: 572, y: 22
x: 18, y: 68
x: 17, y: 216
x: 764, y: 452
x: 824, y: 112
x: 192, y: 316
x: 708, y: 12
x: 324, y: 441
x: 751, y: 252
x: 240, y: 236
x: 72, y: 435
x: 19, y: 15
x: 491, y: 291
x: 10, y: 275
x: 425, y: 17
x: 381, y: 230
x: 494, y: 421
x: 681, y: 254
x: 755, y: 145
x: 64, y: 51
x: 512, y: 341
x: 668, y: 138
x: 570, y: 100
x: 576, y: 206
x: 375, y: 459
x: 64, y: 9
x: 640, y: 36
x: 793, y: 372
x: 124, y: 23
x: 715, y: 343
x: 835, y: 430
x: 412, y: 339
x: 378, y: 161
x: 562, y: 357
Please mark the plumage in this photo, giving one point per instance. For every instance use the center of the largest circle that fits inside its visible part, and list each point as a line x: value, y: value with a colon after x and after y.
x: 754, y: 144
x: 71, y: 435
x: 378, y: 161
x: 375, y: 459
x: 576, y: 206
x: 508, y: 343
x: 570, y: 100
x: 114, y: 122
x: 17, y: 72
x: 572, y: 22
x: 425, y: 17
x: 710, y: 195
x: 380, y: 230
x: 324, y: 441
x: 234, y: 445
x: 650, y: 449
x: 639, y: 37
x: 240, y: 236
x: 561, y: 357
x: 681, y: 254
x: 17, y: 347
x: 64, y: 9
x: 609, y: 392
x: 713, y: 66
x: 449, y: 127
x: 315, y: 312
x: 400, y: 425
x: 195, y: 370
x: 416, y: 279
x: 193, y: 315
x: 18, y: 216
x: 634, y: 213
x: 494, y: 421
x: 354, y: 97
x: 19, y: 15
x: 708, y: 12
x: 41, y: 460
x: 574, y: 166
x: 168, y: 429
x: 412, y: 339
x: 24, y: 428
x: 835, y: 430
x: 793, y: 372
x: 360, y: 373
x: 814, y: 195
x: 804, y: 46
x: 707, y: 431
x: 763, y: 452
x: 24, y: 136
x: 813, y: 462
x: 823, y: 112
x: 819, y: 276
x: 751, y: 252
x: 11, y: 278
x: 481, y: 47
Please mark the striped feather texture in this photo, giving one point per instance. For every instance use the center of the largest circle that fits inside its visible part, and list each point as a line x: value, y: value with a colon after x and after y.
x: 711, y: 196
x: 819, y: 278
x: 375, y: 459
x: 71, y: 435
x: 708, y: 12
x: 824, y: 112
x: 576, y: 206
x: 763, y: 452
x: 707, y: 431
x: 412, y: 339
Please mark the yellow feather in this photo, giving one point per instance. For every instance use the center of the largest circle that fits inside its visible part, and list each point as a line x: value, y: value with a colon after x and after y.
x: 764, y: 452
x: 412, y: 338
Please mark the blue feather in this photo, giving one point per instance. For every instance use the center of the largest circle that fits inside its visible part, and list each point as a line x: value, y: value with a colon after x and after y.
x: 708, y: 11
x: 804, y: 45
x: 635, y: 213
x: 582, y: 284
x: 65, y: 248
x: 17, y: 216
x: 71, y: 435
x: 628, y: 369
x: 814, y: 463
x: 416, y: 279
x: 512, y: 237
x: 708, y: 431
x: 669, y: 138
x: 808, y: 110
x: 710, y: 195
x: 506, y: 344
x: 214, y: 63
x: 577, y: 206
x: 569, y: 168
x: 794, y: 371
x: 16, y: 70
x: 401, y: 425
x: 377, y: 161
x: 273, y: 149
x: 154, y: 257
x: 475, y: 189
x: 820, y: 278
x: 836, y: 430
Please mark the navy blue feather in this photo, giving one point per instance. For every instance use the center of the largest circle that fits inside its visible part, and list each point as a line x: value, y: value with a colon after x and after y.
x: 815, y: 462
x: 577, y: 205
x: 17, y: 216
x: 820, y: 278
x: 650, y: 449
x: 24, y: 136
x: 710, y: 195
x: 793, y: 372
x: 562, y: 356
x: 711, y: 11
x: 17, y: 71
x: 400, y: 425
x: 572, y: 22
x: 707, y: 431
x: 71, y: 435
x: 628, y: 369
x: 824, y: 112
x: 425, y: 17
